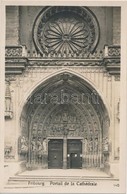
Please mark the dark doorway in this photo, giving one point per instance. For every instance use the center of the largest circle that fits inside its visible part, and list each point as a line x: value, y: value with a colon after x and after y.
x: 74, y: 154
x: 55, y: 153
x: 75, y: 160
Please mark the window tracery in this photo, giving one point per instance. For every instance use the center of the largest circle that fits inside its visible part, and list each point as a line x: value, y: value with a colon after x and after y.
x: 68, y: 31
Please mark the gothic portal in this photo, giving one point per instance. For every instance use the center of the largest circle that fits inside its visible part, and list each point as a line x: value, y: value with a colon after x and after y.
x: 66, y: 122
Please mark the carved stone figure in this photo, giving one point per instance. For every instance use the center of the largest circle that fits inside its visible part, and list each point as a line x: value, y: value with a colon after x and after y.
x: 64, y: 117
x: 91, y: 145
x: 105, y: 144
x: 66, y: 130
x: 33, y: 145
x: 44, y: 145
x: 39, y: 144
x: 24, y: 145
x: 39, y: 149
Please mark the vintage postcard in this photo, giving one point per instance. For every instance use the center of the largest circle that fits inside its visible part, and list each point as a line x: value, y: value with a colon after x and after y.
x: 64, y: 77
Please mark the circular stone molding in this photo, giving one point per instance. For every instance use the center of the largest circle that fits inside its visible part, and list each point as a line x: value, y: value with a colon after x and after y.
x: 67, y: 30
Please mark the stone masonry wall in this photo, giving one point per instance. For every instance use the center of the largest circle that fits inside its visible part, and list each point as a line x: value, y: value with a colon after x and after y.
x: 12, y: 25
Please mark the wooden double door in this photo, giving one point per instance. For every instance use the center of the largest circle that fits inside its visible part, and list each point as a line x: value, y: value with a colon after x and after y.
x: 74, y: 150
x: 56, y: 153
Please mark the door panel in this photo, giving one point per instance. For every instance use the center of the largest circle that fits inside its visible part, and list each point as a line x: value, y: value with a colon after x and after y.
x: 74, y: 150
x: 75, y: 160
x: 55, y: 154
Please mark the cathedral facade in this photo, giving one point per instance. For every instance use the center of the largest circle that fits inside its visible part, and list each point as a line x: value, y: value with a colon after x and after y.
x: 62, y: 75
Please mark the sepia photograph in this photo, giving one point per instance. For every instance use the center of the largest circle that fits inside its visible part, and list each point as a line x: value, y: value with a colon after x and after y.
x: 62, y: 85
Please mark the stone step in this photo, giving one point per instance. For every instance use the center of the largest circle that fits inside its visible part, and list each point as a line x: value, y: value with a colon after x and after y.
x: 33, y: 181
x: 57, y: 178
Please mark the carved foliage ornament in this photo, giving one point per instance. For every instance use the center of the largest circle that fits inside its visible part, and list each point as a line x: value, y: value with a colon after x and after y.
x: 13, y: 51
x: 66, y: 30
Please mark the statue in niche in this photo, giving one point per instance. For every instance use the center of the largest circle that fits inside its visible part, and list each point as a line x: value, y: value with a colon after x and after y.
x: 65, y: 117
x: 35, y: 126
x: 39, y: 149
x: 39, y: 146
x: 23, y: 145
x: 106, y: 149
x: 71, y: 127
x: 71, y: 119
x: 65, y: 129
x: 33, y: 149
x: 105, y: 144
x: 91, y: 145
x: 33, y: 145
x: 44, y: 145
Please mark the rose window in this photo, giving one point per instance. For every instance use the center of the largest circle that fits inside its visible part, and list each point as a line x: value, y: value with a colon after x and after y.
x: 66, y: 30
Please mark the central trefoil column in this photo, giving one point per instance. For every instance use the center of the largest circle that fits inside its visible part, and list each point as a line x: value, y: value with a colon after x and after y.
x: 65, y: 129
x: 65, y: 153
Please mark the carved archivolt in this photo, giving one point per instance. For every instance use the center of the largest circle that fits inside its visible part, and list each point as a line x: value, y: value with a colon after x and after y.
x: 65, y: 107
x: 66, y: 30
